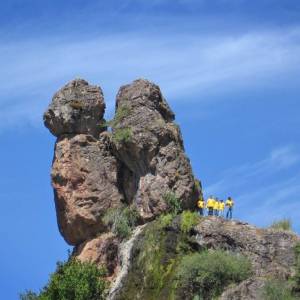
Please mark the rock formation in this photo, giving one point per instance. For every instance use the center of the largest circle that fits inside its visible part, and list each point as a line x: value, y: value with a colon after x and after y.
x: 136, y: 168
x: 154, y: 154
x: 137, y: 164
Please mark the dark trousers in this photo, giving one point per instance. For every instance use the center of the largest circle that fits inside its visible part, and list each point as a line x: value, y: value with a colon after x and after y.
x: 229, y: 213
x: 201, y: 211
x: 210, y: 211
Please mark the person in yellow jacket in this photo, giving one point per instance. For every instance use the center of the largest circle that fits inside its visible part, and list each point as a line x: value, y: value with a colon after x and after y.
x: 229, y: 204
x: 221, y: 208
x: 216, y: 207
x: 201, y: 206
x: 210, y: 205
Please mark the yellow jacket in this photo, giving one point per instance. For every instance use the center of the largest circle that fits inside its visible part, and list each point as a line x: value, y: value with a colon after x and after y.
x: 201, y: 203
x: 216, y: 205
x: 210, y: 203
x: 221, y: 205
x: 229, y: 203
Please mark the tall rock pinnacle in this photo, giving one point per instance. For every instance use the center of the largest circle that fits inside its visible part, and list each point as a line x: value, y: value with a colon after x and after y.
x: 137, y: 164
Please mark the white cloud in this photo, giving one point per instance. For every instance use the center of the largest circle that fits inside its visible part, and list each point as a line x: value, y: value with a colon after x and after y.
x: 182, y: 64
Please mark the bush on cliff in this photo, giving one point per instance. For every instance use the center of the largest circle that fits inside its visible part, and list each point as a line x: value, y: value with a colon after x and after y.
x: 121, y: 221
x: 188, y: 220
x: 174, y: 203
x: 284, y: 224
x: 207, y: 273
x: 73, y: 280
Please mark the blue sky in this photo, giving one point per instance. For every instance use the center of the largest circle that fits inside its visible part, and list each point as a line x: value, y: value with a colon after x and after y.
x: 229, y: 69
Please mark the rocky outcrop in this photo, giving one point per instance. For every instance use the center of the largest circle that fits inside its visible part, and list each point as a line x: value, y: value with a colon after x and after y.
x: 137, y: 164
x: 158, y: 253
x: 126, y: 177
x: 154, y: 152
x: 270, y: 251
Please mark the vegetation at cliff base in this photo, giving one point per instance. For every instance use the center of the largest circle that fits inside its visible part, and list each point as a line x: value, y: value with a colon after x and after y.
x: 73, y: 280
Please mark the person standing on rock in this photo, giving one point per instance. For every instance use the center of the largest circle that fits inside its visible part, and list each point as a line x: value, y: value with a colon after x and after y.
x: 221, y: 208
x: 210, y: 205
x: 201, y: 206
x: 229, y: 204
x: 216, y: 207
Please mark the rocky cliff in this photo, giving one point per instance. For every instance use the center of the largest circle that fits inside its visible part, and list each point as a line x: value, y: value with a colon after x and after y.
x: 120, y: 186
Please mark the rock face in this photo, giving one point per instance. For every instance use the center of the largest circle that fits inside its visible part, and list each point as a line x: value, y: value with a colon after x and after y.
x: 154, y: 152
x: 85, y: 182
x: 102, y: 250
x: 137, y: 164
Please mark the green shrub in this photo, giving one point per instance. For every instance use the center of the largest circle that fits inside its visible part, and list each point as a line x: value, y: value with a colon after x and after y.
x: 122, y: 135
x: 73, y: 280
x: 121, y: 221
x: 165, y: 220
x: 284, y: 224
x: 277, y: 290
x: 173, y: 203
x: 188, y: 220
x: 207, y: 273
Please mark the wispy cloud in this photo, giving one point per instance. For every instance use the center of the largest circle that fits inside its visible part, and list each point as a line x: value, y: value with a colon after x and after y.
x: 262, y: 193
x: 184, y: 65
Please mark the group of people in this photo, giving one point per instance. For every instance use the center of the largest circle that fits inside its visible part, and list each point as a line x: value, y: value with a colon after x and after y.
x: 216, y: 207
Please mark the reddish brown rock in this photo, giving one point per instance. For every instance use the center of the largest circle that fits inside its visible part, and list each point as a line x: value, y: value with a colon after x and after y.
x: 85, y: 182
x: 102, y: 250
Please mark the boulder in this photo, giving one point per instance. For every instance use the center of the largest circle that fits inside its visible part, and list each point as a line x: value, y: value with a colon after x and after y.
x: 76, y: 108
x: 85, y: 181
